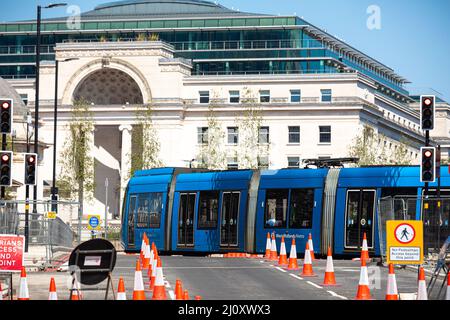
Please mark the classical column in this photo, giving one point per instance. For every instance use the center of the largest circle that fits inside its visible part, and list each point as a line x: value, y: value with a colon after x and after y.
x: 125, y: 163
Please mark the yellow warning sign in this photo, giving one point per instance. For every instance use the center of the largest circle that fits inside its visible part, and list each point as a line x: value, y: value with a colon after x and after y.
x: 94, y: 222
x: 51, y: 215
x: 404, y: 242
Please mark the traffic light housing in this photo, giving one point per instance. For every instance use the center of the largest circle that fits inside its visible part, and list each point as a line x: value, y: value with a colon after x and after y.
x: 30, y: 169
x: 428, y: 164
x: 427, y: 112
x: 6, y: 116
x: 5, y: 168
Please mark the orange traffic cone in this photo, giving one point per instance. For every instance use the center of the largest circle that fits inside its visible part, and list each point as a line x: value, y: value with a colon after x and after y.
x: 391, y: 292
x: 198, y: 298
x: 52, y: 295
x: 268, y: 246
x: 178, y: 290
x: 447, y: 296
x: 293, y: 265
x: 141, y: 255
x: 146, y: 260
x: 138, y: 291
x: 282, y: 261
x: 75, y: 292
x: 330, y: 279
x: 422, y: 290
x: 365, y: 250
x: 273, y: 249
x: 307, y: 264
x: 311, y: 247
x: 23, y: 292
x: 121, y: 293
x: 153, y: 267
x: 159, y: 290
x: 363, y: 286
x: 186, y: 295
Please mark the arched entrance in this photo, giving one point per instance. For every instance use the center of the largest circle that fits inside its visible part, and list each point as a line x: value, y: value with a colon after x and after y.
x: 109, y: 86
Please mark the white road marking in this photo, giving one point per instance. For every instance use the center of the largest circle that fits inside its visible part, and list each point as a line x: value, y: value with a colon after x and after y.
x: 171, y: 295
x: 295, y: 276
x: 278, y: 268
x: 334, y: 294
x: 314, y: 285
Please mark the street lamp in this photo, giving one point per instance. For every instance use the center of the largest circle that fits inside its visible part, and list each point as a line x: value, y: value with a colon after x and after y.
x: 54, y: 190
x: 36, y: 103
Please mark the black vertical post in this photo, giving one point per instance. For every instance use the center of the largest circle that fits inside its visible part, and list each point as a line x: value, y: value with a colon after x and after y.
x: 27, y: 194
x: 36, y: 103
x: 3, y: 149
x: 427, y: 144
x: 55, y: 124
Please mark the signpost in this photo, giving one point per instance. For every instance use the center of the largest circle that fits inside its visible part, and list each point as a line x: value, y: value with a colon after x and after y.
x: 404, y: 242
x: 11, y: 257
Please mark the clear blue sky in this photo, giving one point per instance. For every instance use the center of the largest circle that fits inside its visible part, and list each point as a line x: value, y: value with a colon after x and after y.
x: 414, y: 37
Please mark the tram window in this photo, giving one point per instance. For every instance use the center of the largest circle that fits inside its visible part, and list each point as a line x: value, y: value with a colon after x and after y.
x: 208, y: 209
x: 301, y: 209
x: 276, y: 208
x: 404, y: 202
x: 149, y: 210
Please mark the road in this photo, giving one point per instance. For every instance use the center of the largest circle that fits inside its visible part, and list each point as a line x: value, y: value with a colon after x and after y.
x: 238, y: 279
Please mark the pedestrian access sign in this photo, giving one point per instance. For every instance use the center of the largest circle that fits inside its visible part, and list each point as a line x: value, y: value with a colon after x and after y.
x: 11, y: 252
x: 404, y: 241
x: 94, y: 222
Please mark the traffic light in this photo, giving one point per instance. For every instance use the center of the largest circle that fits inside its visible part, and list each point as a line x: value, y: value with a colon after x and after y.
x: 5, y: 168
x: 30, y: 169
x: 6, y: 115
x: 427, y: 111
x: 428, y: 164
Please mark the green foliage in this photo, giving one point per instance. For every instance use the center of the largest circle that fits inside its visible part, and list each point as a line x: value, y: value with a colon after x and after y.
x: 77, y: 163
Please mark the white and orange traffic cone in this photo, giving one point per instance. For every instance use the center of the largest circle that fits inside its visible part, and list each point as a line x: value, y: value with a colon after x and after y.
x: 23, y: 291
x: 52, y: 295
x: 186, y: 295
x: 293, y: 264
x: 198, y: 298
x: 311, y: 247
x: 178, y: 290
x: 330, y: 278
x: 307, y: 264
x: 146, y: 260
x: 153, y: 267
x: 268, y: 246
x: 391, y: 291
x: 141, y: 254
x: 422, y: 288
x: 76, y: 291
x: 365, y: 249
x: 273, y: 249
x: 282, y: 261
x: 159, y: 290
x: 363, y: 292
x: 1, y: 292
x: 121, y: 293
x: 447, y: 296
x: 138, y: 291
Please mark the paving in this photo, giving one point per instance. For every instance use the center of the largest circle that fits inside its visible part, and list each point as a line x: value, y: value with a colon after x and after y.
x: 217, y: 278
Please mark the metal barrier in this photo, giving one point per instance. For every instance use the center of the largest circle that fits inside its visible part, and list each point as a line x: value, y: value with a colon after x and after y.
x: 433, y: 211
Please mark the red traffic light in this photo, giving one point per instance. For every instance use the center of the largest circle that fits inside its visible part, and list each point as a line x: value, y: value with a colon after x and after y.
x: 427, y: 101
x: 6, y: 105
x: 31, y: 159
x: 5, y: 158
x: 428, y: 154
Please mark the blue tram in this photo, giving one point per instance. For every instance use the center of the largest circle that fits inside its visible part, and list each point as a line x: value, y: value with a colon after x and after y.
x: 194, y: 210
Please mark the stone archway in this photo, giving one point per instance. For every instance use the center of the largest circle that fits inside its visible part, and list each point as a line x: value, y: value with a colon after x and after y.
x: 109, y: 86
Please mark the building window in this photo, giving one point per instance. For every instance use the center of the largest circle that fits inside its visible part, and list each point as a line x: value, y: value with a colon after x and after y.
x: 202, y: 135
x: 276, y: 208
x: 326, y: 95
x: 296, y: 96
x: 234, y: 96
x: 233, y: 135
x: 24, y: 98
x: 263, y: 163
x: 301, y: 209
x: 264, y: 96
x: 294, y: 135
x: 208, y: 209
x: 325, y: 134
x: 264, y: 137
x: 293, y: 162
x: 232, y: 163
x: 204, y: 96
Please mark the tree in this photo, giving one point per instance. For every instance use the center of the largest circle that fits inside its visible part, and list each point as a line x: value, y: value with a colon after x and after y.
x: 211, y: 154
x: 250, y: 150
x: 146, y: 145
x: 370, y: 147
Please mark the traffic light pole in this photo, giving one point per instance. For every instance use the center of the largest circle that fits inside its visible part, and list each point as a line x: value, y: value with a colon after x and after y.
x: 3, y: 149
x: 427, y: 144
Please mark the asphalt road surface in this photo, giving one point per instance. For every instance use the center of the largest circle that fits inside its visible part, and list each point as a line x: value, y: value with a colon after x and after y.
x: 237, y: 279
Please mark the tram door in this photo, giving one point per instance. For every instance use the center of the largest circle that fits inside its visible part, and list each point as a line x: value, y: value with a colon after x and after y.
x: 186, y: 220
x: 229, y: 219
x: 360, y: 218
x: 131, y: 220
